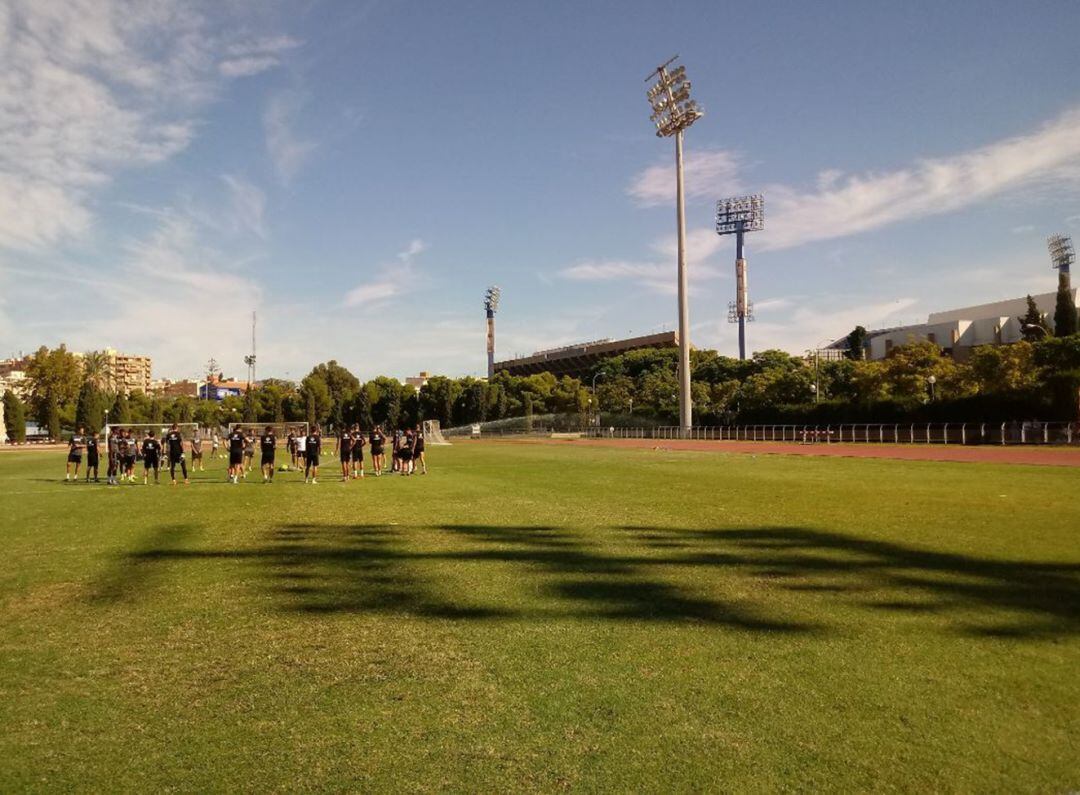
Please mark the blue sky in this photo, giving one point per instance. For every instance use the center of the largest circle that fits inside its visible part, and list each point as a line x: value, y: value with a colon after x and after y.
x: 359, y: 172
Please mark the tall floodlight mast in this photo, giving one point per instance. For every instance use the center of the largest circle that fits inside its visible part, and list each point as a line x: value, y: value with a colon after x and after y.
x: 737, y: 216
x: 491, y: 304
x: 250, y: 359
x: 673, y: 112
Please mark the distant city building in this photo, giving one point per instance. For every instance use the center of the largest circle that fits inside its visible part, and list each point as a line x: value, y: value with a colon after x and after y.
x: 579, y: 360
x: 957, y: 331
x: 167, y: 388
x: 16, y: 381
x: 219, y: 389
x: 417, y: 381
x: 128, y: 372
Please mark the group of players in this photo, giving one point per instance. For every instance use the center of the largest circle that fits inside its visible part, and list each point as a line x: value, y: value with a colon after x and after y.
x: 124, y: 449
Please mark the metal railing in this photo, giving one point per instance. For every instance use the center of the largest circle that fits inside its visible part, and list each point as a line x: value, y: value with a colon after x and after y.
x: 963, y: 433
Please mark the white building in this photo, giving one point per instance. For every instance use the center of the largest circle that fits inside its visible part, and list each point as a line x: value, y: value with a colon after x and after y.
x: 957, y: 331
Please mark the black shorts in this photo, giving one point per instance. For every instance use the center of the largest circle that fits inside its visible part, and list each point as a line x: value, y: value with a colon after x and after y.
x: 235, y: 459
x: 312, y: 459
x: 376, y: 449
x: 74, y: 458
x: 267, y: 459
x: 91, y: 460
x: 128, y: 461
x: 405, y: 454
x: 358, y: 454
x: 419, y: 450
x: 196, y: 454
x: 151, y: 462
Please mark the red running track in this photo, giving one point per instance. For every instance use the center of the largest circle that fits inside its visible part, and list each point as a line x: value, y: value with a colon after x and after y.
x: 1038, y: 456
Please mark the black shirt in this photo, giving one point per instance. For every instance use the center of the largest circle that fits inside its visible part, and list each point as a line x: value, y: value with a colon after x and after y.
x: 267, y: 443
x: 313, y: 444
x: 236, y: 442
x: 376, y: 439
x: 358, y: 442
x: 151, y: 448
x: 176, y: 444
x: 91, y: 447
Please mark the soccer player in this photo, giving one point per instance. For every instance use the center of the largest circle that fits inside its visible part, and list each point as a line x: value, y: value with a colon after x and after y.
x: 175, y: 442
x: 301, y: 449
x: 358, y: 442
x: 267, y: 445
x: 418, y: 451
x: 290, y: 445
x: 405, y: 453
x: 113, y: 446
x: 249, y: 449
x: 74, y: 458
x: 151, y: 453
x: 312, y: 446
x: 214, y: 444
x: 344, y: 451
x: 196, y: 451
x: 378, y: 458
x: 236, y: 454
x: 92, y: 456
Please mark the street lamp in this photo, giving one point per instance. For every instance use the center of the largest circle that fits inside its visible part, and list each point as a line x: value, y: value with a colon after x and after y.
x: 491, y: 304
x: 673, y: 112
x: 736, y: 216
x: 814, y: 391
x: 931, y: 380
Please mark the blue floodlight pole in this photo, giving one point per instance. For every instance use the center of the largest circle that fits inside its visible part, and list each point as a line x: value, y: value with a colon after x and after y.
x: 737, y: 216
x: 740, y: 278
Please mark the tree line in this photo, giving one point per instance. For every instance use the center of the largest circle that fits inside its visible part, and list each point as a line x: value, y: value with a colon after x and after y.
x: 1032, y: 379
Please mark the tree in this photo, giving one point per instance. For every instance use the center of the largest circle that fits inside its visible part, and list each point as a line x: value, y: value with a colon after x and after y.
x: 14, y: 417
x: 52, y: 416
x: 96, y: 369
x: 998, y: 369
x: 120, y: 413
x: 362, y: 409
x: 157, y: 411
x: 55, y: 378
x: 312, y: 408
x: 1032, y: 321
x: 1065, y: 320
x: 90, y: 408
x: 856, y: 343
x: 249, y: 405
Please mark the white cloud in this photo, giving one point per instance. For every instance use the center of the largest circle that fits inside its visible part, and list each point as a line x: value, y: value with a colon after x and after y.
x: 392, y: 280
x: 248, y: 205
x: 1023, y: 229
x: 250, y: 58
x: 847, y: 205
x: 89, y: 88
x: 707, y: 174
x: 655, y: 276
x: 288, y: 151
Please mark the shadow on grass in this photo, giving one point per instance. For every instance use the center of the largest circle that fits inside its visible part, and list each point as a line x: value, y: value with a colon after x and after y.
x: 321, y: 569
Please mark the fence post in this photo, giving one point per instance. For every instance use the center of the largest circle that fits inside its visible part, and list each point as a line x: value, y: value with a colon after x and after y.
x: 945, y: 433
x: 963, y: 433
x: 1046, y: 432
x: 928, y: 433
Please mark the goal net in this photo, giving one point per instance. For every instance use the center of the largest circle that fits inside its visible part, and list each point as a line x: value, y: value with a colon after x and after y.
x: 281, y: 429
x: 433, y: 433
x: 189, y: 430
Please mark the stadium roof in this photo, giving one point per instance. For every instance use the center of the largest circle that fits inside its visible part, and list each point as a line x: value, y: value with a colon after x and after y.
x: 579, y: 360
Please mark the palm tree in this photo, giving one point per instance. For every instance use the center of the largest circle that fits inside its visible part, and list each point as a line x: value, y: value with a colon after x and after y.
x: 97, y: 369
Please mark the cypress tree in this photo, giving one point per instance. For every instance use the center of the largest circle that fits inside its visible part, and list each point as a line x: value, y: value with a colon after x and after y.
x: 52, y: 418
x: 121, y: 410
x: 14, y: 417
x: 1065, y: 320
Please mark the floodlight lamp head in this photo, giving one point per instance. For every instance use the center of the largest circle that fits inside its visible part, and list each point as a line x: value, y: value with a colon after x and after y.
x: 1062, y: 254
x: 740, y: 214
x: 491, y: 298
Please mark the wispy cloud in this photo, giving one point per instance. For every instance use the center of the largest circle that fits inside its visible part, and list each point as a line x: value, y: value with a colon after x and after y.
x: 245, y: 59
x: 288, y: 150
x: 708, y: 173
x: 248, y: 205
x: 850, y: 204
x: 392, y: 279
x: 89, y: 88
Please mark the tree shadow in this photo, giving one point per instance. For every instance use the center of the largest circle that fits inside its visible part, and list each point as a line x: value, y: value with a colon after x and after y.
x: 632, y: 575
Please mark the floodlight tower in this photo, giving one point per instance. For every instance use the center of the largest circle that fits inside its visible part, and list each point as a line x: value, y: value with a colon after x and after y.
x: 250, y: 359
x: 673, y: 112
x: 736, y: 216
x: 491, y: 304
x: 1062, y: 256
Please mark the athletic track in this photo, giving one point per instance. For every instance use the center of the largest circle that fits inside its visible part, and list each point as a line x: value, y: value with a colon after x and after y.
x: 1038, y: 456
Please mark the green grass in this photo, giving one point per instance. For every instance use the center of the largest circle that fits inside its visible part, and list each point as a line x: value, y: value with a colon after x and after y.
x: 545, y: 617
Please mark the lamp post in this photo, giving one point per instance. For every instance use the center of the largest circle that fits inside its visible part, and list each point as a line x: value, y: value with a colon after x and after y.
x: 931, y: 380
x: 491, y: 304
x: 737, y: 216
x: 673, y: 112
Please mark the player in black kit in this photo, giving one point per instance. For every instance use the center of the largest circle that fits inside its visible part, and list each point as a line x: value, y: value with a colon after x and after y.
x: 74, y: 459
x: 235, y: 440
x: 175, y: 442
x: 151, y: 453
x: 267, y: 445
x: 418, y: 451
x: 377, y: 457
x: 92, y: 456
x: 312, y: 446
x: 358, y: 442
x: 344, y: 449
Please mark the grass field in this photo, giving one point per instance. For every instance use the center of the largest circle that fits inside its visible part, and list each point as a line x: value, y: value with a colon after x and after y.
x: 535, y: 617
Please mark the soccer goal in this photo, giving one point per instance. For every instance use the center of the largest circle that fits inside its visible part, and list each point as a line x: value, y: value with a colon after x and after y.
x: 188, y: 430
x: 433, y: 433
x: 281, y: 429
